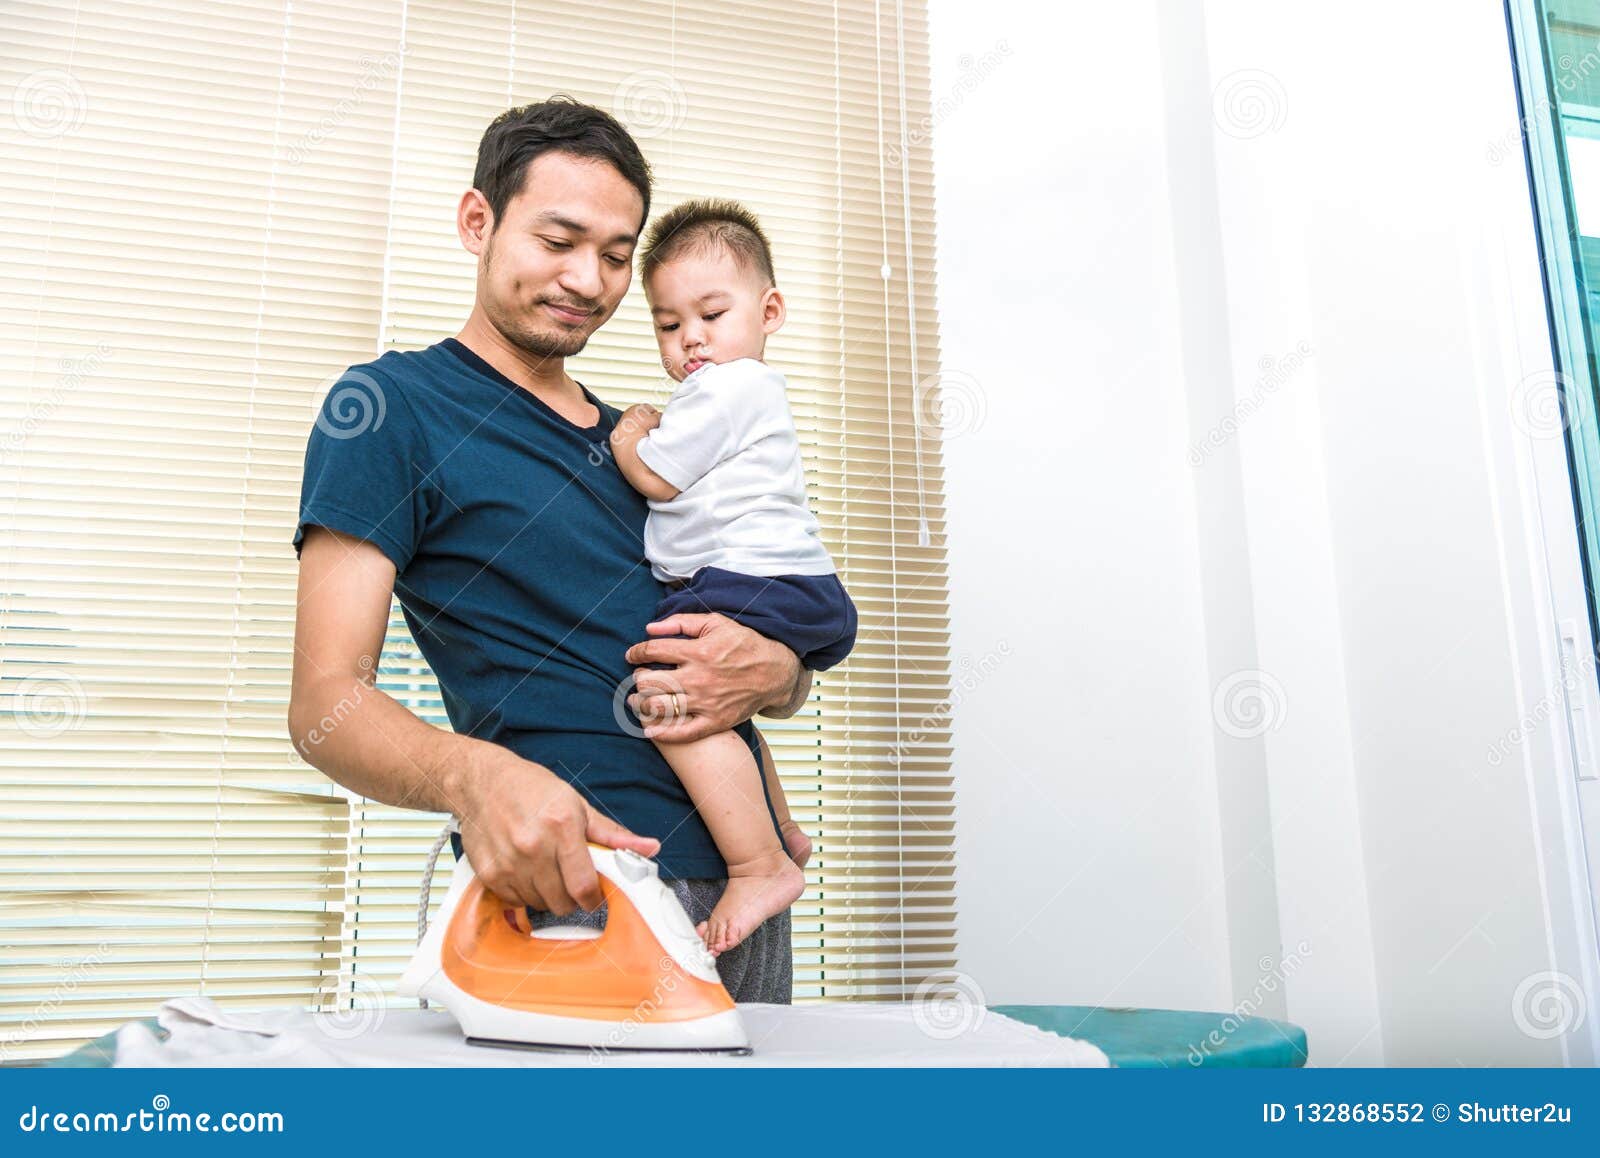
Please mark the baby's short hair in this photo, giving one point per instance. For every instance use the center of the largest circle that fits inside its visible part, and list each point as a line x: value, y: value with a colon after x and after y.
x: 707, y: 223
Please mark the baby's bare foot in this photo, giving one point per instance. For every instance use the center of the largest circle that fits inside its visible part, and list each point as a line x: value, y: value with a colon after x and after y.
x: 757, y: 889
x: 796, y: 842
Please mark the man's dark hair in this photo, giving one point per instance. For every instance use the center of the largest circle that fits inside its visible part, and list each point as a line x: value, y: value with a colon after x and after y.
x: 558, y: 125
x: 708, y: 224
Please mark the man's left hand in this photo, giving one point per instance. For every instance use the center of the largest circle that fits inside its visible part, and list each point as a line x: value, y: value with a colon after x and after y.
x: 723, y: 675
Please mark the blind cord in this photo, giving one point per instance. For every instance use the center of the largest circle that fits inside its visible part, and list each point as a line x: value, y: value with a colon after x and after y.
x: 885, y: 272
x: 924, y: 538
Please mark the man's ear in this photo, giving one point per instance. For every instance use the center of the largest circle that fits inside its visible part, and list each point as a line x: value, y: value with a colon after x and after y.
x: 773, y: 311
x: 474, y: 222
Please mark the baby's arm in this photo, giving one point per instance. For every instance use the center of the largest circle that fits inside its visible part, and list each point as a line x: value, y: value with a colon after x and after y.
x: 714, y: 414
x: 636, y: 423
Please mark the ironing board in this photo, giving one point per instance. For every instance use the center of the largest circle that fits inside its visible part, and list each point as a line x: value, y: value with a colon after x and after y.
x: 1172, y: 1038
x: 1130, y: 1038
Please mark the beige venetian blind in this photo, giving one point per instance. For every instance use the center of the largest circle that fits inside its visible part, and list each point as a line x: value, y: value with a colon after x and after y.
x: 208, y: 212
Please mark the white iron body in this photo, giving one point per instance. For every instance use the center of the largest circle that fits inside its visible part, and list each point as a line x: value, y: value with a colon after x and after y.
x: 644, y: 982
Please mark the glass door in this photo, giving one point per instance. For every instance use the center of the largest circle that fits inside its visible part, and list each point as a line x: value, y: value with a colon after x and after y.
x: 1556, y: 50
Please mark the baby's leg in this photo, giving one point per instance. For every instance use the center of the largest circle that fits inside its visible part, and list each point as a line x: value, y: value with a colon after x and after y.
x: 795, y: 842
x: 725, y: 785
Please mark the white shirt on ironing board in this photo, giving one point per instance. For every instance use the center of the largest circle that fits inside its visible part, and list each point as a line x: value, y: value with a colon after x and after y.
x: 727, y: 442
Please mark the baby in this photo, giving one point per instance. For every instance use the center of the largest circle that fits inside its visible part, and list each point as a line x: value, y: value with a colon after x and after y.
x: 729, y: 530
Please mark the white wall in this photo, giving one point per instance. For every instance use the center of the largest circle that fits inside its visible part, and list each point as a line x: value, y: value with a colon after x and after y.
x: 1088, y: 847
x: 1284, y: 229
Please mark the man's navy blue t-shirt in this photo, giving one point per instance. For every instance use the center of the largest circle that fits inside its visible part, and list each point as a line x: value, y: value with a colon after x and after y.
x: 519, y: 556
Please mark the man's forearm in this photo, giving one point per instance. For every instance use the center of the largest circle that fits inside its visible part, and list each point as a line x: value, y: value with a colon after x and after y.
x: 366, y: 741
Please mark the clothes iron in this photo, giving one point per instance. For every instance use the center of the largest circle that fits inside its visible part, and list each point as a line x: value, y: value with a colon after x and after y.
x: 644, y: 982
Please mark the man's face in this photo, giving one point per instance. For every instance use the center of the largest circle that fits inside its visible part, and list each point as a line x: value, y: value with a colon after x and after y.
x: 559, y: 260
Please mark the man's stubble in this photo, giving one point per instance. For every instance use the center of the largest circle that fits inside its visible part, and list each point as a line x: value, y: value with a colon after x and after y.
x: 520, y: 331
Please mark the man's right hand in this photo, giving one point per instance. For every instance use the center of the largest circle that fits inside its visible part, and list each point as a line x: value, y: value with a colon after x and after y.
x: 523, y: 827
x: 526, y: 832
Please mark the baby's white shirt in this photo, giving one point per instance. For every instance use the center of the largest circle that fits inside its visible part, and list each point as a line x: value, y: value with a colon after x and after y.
x: 727, y: 442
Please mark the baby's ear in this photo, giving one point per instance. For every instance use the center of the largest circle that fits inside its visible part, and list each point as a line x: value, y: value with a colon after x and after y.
x: 773, y: 311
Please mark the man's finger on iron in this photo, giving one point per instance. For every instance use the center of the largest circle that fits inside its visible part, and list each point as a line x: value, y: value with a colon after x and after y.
x: 498, y: 874
x: 577, y: 871
x: 547, y: 880
x: 603, y: 830
x: 511, y: 892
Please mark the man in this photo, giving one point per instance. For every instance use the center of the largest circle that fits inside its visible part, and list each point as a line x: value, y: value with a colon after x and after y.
x: 472, y: 480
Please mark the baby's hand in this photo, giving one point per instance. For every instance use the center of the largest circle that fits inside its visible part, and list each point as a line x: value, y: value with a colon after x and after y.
x: 640, y: 418
x: 632, y: 428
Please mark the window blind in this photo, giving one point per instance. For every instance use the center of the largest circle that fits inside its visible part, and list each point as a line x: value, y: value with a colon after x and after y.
x: 208, y: 213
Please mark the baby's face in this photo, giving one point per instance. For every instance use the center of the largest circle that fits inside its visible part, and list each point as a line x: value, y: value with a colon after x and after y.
x: 707, y: 307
